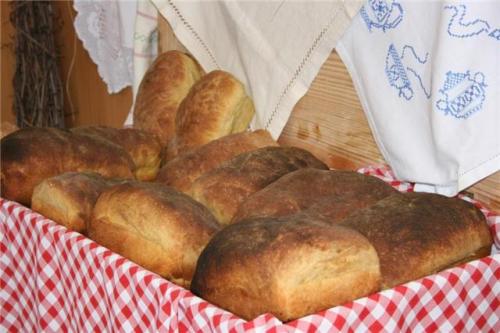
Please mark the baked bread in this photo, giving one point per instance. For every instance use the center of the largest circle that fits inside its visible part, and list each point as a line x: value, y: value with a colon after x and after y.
x: 162, y: 89
x: 417, y: 234
x: 183, y: 170
x: 223, y: 189
x: 31, y: 155
x: 155, y: 226
x: 69, y: 198
x: 334, y: 194
x: 289, y: 268
x: 216, y: 106
x: 143, y: 147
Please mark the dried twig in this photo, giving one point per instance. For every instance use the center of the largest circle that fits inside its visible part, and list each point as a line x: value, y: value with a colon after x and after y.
x: 38, y: 89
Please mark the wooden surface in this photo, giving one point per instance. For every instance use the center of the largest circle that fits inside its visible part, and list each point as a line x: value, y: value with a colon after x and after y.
x: 90, y: 101
x: 329, y: 121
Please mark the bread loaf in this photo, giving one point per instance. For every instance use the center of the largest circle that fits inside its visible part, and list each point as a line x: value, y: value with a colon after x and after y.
x: 153, y: 225
x: 69, y: 198
x: 162, y: 89
x: 183, y: 170
x: 223, y: 189
x: 289, y: 268
x: 216, y: 106
x: 31, y: 155
x: 143, y: 147
x: 417, y: 234
x: 333, y: 193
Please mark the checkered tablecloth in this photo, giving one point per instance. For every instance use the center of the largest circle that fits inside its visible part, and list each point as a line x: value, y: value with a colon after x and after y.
x: 56, y: 280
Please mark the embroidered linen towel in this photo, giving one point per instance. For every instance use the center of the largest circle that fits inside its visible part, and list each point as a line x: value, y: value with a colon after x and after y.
x: 428, y: 76
x: 275, y: 48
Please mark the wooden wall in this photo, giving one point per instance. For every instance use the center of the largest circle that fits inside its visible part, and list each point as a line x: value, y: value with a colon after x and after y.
x: 91, y: 103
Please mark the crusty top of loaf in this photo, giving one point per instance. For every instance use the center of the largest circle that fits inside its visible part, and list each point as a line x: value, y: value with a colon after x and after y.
x: 223, y: 189
x: 217, y: 105
x: 183, y: 170
x: 162, y: 89
x: 143, y: 147
x: 32, y: 154
x: 301, y: 189
x: 416, y: 234
x: 288, y: 267
x: 154, y: 225
x: 138, y: 143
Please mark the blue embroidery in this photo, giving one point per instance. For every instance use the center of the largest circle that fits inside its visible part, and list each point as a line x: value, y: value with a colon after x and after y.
x: 495, y: 34
x: 397, y: 71
x: 382, y: 14
x: 462, y: 94
x: 457, y: 27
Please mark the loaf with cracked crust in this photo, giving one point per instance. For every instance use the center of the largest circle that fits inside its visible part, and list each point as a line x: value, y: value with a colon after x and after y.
x: 289, y: 267
x: 418, y: 234
x: 155, y: 226
x: 162, y: 89
x: 143, y: 147
x: 216, y: 106
x: 31, y: 155
x: 69, y: 198
x: 183, y: 170
x: 333, y: 193
x: 223, y: 189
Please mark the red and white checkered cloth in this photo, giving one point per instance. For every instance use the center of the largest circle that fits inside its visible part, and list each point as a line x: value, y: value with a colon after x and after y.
x: 56, y: 280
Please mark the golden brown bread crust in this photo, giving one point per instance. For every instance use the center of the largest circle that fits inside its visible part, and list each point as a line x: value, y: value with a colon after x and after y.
x: 223, y: 189
x: 143, y: 147
x: 68, y: 198
x: 31, y: 155
x: 417, y: 234
x: 216, y: 106
x: 155, y: 226
x: 333, y: 193
x: 162, y: 89
x: 183, y: 170
x: 290, y: 268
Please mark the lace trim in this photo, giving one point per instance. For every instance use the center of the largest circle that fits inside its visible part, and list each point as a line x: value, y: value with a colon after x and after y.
x: 114, y: 61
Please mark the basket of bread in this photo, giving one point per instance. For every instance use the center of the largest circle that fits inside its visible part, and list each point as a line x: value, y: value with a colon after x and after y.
x: 191, y: 222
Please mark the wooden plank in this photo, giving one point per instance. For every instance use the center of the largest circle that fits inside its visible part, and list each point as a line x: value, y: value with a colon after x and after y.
x: 329, y: 121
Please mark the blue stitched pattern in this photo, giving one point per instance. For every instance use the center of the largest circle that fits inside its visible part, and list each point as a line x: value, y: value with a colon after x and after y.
x: 495, y: 34
x: 397, y: 71
x: 458, y: 26
x: 382, y: 14
x: 462, y: 94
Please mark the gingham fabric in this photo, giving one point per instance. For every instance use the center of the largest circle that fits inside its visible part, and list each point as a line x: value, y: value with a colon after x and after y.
x: 56, y: 280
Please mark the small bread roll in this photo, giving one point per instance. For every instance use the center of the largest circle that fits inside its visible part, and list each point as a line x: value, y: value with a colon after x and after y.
x: 288, y: 267
x: 183, y: 170
x: 69, y: 198
x: 223, y: 189
x: 418, y: 234
x: 216, y: 106
x: 143, y: 147
x: 155, y: 226
x: 31, y: 155
x: 164, y: 86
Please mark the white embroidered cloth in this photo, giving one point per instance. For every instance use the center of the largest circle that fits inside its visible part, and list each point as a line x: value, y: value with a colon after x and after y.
x: 275, y: 48
x: 428, y: 76
x: 106, y: 29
